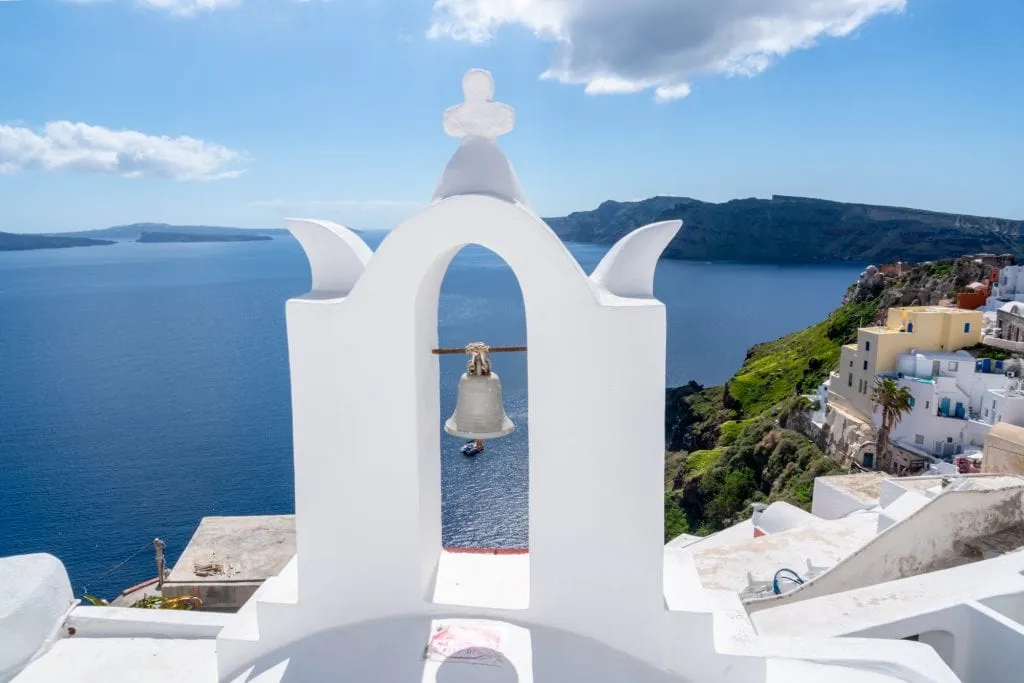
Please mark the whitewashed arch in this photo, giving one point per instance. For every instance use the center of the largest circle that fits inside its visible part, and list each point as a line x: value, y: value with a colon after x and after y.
x: 364, y: 376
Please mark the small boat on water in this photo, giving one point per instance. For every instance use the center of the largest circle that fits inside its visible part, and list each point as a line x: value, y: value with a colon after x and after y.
x: 471, y: 448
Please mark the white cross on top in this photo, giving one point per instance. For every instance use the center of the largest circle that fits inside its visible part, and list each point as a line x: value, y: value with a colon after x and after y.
x: 479, y: 116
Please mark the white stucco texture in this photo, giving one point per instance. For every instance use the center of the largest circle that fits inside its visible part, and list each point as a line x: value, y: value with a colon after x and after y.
x: 35, y: 594
x: 478, y: 165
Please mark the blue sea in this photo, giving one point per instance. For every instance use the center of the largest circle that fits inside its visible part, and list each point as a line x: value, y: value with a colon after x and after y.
x: 145, y: 386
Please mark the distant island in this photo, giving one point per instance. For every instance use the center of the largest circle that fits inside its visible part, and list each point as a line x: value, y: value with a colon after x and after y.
x: 797, y: 230
x: 782, y: 229
x: 10, y: 241
x: 165, y: 237
x: 134, y: 231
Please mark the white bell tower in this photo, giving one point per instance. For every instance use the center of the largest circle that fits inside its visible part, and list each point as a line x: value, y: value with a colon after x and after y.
x: 598, y: 598
x: 368, y: 522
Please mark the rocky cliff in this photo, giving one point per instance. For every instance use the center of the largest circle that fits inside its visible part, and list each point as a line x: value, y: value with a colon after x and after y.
x: 926, y: 284
x: 797, y: 230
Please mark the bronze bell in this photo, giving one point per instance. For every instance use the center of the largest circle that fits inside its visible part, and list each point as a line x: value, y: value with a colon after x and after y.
x: 479, y: 408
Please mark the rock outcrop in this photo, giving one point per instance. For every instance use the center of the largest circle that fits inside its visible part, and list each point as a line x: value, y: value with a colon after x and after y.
x: 926, y: 284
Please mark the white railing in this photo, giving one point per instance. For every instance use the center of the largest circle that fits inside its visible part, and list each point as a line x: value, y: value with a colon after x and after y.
x: 989, y: 340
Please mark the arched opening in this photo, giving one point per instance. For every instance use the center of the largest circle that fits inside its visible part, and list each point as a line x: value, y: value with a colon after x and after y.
x: 484, y: 497
x: 365, y: 382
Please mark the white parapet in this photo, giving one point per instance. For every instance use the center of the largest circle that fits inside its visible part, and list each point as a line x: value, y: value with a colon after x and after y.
x: 35, y: 596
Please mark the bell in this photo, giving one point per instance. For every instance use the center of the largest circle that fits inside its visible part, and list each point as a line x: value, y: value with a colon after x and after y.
x: 479, y: 410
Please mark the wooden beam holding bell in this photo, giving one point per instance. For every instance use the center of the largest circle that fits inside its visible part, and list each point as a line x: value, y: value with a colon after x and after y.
x: 479, y: 408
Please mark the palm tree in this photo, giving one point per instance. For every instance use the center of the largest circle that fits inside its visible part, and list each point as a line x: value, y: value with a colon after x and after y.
x: 894, y: 401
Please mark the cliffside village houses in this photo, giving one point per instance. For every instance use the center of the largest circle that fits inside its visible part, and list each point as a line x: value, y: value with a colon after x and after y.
x: 966, y: 409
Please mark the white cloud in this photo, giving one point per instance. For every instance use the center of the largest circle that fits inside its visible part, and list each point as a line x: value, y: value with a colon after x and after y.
x: 624, y: 46
x: 614, y: 85
x: 667, y: 93
x: 67, y: 146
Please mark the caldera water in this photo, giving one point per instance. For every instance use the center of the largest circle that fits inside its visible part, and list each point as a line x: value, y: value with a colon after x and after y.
x: 145, y: 386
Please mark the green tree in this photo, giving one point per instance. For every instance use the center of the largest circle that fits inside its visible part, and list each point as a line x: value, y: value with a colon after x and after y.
x: 894, y: 402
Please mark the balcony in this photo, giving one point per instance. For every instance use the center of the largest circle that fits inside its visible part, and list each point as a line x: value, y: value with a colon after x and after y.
x: 900, y: 375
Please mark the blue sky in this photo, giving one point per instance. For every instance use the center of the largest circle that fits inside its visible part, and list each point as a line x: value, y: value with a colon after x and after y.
x: 242, y: 112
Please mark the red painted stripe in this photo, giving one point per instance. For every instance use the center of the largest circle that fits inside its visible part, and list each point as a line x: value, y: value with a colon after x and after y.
x: 489, y: 551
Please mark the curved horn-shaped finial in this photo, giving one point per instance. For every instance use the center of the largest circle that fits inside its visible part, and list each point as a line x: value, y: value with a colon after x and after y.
x: 627, y: 270
x: 337, y: 256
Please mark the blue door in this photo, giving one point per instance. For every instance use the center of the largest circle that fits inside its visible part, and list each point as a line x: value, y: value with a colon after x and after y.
x: 944, y: 407
x: 960, y: 413
x: 986, y: 365
x: 869, y: 460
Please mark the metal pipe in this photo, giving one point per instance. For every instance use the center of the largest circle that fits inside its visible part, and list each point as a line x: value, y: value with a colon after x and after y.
x: 492, y: 349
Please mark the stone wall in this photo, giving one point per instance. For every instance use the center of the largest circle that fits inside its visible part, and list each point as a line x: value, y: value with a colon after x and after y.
x: 1011, y: 327
x: 842, y: 437
x: 846, y: 438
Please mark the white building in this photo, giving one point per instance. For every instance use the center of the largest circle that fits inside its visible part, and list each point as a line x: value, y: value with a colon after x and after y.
x: 371, y: 596
x: 955, y: 400
x: 1010, y: 287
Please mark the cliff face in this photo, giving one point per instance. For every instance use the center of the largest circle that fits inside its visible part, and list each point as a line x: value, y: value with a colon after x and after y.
x: 797, y: 230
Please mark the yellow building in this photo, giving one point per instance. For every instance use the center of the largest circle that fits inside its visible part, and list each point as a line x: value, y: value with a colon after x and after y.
x: 1004, y: 450
x: 921, y: 328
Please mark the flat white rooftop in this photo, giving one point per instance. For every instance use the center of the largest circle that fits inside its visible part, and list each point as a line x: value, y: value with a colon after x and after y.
x: 865, y: 486
x: 823, y: 542
x: 131, y: 660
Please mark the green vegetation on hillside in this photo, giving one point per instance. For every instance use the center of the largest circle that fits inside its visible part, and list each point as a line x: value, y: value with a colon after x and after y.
x: 798, y: 362
x: 731, y: 446
x: 708, y: 490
